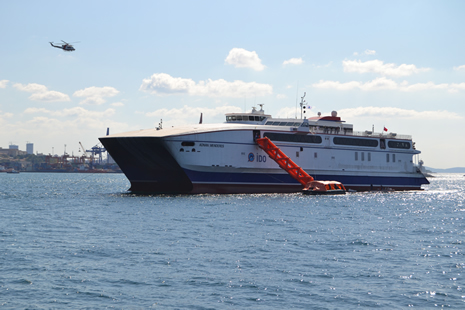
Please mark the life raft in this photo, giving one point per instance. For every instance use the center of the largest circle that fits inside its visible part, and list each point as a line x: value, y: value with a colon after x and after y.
x: 324, y: 188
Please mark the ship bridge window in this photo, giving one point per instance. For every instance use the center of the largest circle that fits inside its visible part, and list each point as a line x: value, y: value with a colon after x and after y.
x: 399, y: 145
x: 240, y: 118
x: 187, y: 143
x: 273, y: 136
x: 355, y: 141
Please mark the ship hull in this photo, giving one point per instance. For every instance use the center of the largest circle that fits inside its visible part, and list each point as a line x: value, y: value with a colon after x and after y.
x: 148, y: 165
x: 152, y: 166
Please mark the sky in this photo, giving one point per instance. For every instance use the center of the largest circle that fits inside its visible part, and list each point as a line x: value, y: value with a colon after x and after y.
x: 393, y: 64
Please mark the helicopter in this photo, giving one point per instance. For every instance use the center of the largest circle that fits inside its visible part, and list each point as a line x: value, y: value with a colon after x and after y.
x: 67, y: 47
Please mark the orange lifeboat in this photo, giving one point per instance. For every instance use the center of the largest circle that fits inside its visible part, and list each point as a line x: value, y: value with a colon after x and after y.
x: 324, y: 188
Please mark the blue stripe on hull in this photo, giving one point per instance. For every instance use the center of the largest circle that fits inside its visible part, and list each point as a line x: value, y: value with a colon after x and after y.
x: 276, y: 179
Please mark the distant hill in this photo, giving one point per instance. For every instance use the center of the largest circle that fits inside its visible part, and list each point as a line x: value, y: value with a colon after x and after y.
x: 448, y: 170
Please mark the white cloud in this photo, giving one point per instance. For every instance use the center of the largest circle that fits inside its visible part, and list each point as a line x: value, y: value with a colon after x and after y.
x: 117, y: 104
x: 459, y: 68
x: 41, y: 93
x: 31, y: 88
x: 242, y: 58
x: 454, y: 87
x: 72, y: 112
x: 79, y: 127
x: 366, y: 52
x: 423, y: 86
x: 387, y: 84
x: 3, y: 83
x: 96, y: 95
x: 376, y: 84
x: 378, y: 66
x: 6, y: 115
x: 293, y: 61
x: 164, y: 84
x: 46, y: 127
x: 188, y: 114
x: 391, y: 112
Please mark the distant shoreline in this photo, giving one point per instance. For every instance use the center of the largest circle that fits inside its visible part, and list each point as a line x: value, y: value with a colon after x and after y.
x: 448, y: 170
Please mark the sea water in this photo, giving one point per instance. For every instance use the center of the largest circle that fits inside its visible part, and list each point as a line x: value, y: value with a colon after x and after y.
x: 82, y: 241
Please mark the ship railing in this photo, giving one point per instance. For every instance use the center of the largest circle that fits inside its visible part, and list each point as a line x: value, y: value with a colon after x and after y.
x: 390, y: 135
x: 366, y: 133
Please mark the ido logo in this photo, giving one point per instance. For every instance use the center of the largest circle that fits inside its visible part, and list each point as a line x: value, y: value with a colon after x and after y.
x: 251, y: 157
x: 261, y: 158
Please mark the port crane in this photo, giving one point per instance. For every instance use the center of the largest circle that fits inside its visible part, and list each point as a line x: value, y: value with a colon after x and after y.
x: 94, y: 151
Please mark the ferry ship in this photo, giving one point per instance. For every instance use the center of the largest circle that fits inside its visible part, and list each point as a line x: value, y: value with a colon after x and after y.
x: 225, y: 158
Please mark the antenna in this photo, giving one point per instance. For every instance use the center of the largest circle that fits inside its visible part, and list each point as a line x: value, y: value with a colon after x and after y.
x: 302, y: 101
x: 296, y: 94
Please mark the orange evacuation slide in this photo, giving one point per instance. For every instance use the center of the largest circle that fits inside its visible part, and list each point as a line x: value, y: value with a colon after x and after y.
x: 284, y: 162
x: 297, y: 172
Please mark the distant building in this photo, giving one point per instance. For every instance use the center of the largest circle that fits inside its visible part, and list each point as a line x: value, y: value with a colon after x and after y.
x: 12, y: 150
x: 30, y: 148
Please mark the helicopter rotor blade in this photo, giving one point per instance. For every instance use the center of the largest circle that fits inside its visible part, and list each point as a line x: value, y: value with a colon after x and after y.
x: 70, y: 42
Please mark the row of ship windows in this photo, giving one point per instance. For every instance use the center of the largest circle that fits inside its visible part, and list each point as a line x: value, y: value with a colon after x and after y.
x: 337, y: 140
x: 317, y: 140
x: 315, y: 155
x: 283, y: 123
x: 324, y: 129
x: 241, y: 118
x: 362, y: 155
x: 389, y: 157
